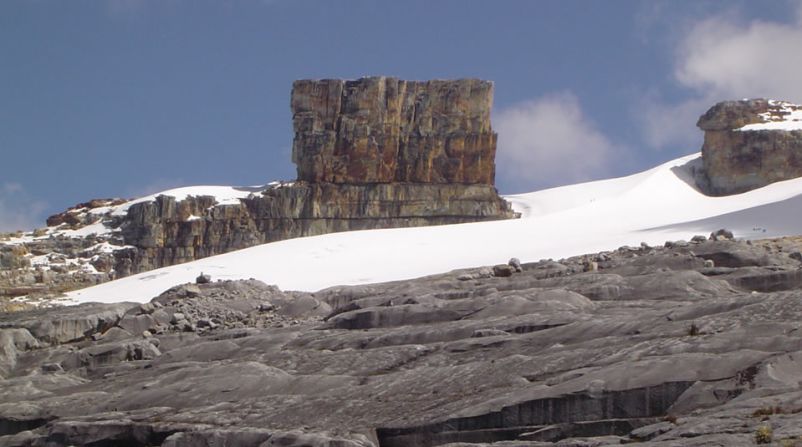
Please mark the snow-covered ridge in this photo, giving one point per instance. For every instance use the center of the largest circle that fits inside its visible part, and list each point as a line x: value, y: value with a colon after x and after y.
x: 80, y: 243
x: 223, y: 195
x: 782, y: 115
x: 653, y: 206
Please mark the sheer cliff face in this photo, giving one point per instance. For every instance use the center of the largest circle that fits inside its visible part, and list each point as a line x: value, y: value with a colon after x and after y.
x: 749, y: 144
x: 386, y: 130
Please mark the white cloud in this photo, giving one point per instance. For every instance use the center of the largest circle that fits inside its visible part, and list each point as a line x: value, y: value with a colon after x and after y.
x: 728, y: 59
x: 548, y: 142
x: 17, y: 210
x: 672, y: 126
x: 722, y: 58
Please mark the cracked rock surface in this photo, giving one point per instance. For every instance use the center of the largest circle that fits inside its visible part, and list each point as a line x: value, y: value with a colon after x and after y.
x: 692, y: 344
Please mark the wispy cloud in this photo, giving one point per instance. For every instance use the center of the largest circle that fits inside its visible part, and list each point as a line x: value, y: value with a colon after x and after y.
x: 548, y: 142
x: 725, y: 57
x: 19, y: 211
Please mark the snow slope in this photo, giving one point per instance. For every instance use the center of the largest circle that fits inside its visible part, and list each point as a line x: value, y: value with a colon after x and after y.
x: 653, y: 206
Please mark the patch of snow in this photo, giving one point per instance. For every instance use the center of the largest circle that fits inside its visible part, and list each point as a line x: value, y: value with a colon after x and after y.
x: 104, y: 247
x: 193, y: 217
x: 24, y: 239
x: 279, y: 184
x: 224, y: 195
x: 98, y: 228
x: 653, y: 206
x: 40, y: 261
x: 89, y: 268
x: 783, y: 116
x: 101, y: 210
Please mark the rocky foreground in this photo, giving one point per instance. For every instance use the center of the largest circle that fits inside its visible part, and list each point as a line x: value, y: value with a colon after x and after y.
x: 694, y: 343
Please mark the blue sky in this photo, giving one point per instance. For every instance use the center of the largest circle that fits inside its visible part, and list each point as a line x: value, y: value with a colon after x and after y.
x: 119, y: 98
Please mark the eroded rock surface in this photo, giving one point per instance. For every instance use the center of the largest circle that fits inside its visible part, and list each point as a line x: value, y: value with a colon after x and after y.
x: 749, y: 144
x: 693, y: 344
x: 386, y: 130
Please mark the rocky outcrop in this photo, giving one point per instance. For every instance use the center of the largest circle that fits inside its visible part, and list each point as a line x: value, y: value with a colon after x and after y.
x: 82, y: 214
x: 749, y: 144
x: 386, y: 130
x: 546, y: 353
x: 164, y: 234
x: 371, y: 153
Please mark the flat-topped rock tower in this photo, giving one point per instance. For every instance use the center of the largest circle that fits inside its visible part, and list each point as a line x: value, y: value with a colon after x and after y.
x: 750, y: 144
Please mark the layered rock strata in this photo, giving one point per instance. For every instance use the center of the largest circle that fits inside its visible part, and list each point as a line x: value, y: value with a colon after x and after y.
x: 386, y: 130
x: 164, y: 233
x: 749, y: 144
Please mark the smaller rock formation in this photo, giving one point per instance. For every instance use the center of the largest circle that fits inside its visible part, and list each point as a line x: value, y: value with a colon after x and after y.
x: 749, y: 144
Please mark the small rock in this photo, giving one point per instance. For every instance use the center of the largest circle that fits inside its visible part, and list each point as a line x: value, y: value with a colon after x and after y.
x: 51, y: 367
x: 266, y: 307
x: 488, y: 333
x: 516, y: 264
x: 147, y: 308
x: 465, y: 277
x: 590, y: 266
x: 203, y: 279
x: 709, y: 263
x: 503, y: 270
x: 645, y: 246
x: 722, y: 235
x: 795, y: 256
x: 178, y: 316
x: 147, y: 334
x: 191, y: 291
x: 698, y: 239
x: 484, y: 272
x: 676, y: 244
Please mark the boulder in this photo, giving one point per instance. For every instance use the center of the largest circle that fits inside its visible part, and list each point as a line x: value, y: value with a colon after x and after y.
x: 203, y: 279
x: 749, y: 144
x: 503, y: 270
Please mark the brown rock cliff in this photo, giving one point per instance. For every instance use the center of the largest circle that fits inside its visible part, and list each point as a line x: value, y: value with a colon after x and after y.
x: 737, y: 159
x: 386, y: 130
